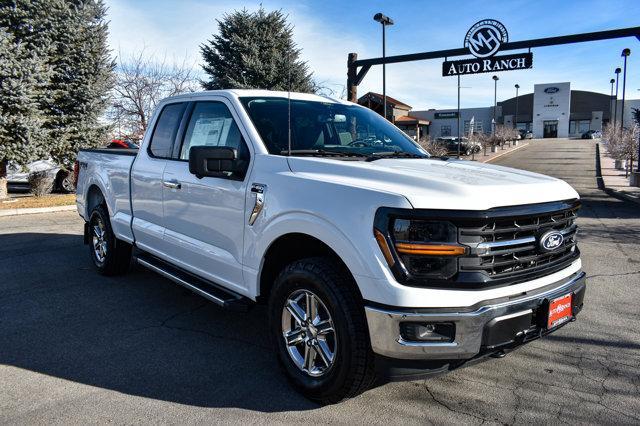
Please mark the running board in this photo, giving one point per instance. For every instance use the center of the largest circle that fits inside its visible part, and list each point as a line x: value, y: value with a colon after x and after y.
x: 223, y: 297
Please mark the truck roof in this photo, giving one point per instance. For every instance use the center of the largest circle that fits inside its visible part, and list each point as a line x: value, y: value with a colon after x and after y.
x: 237, y: 93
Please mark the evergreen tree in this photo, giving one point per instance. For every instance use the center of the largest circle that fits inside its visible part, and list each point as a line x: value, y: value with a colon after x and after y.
x: 71, y: 38
x: 22, y: 76
x: 255, y: 51
x: 82, y: 75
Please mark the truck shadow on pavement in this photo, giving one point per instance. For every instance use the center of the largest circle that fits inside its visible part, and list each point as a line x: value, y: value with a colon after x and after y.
x: 138, y: 334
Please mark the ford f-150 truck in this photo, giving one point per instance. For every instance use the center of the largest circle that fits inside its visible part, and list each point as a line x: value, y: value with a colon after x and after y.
x: 375, y: 259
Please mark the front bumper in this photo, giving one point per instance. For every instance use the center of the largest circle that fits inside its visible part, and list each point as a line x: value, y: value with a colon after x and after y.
x: 485, y: 327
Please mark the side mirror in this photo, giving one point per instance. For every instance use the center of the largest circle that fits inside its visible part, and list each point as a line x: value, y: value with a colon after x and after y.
x: 215, y: 161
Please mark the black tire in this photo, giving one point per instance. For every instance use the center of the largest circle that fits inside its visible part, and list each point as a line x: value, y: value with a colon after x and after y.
x: 352, y: 369
x: 117, y: 254
x: 467, y: 152
x: 64, y: 182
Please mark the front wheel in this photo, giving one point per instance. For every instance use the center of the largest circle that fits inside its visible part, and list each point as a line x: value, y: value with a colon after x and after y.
x: 319, y: 331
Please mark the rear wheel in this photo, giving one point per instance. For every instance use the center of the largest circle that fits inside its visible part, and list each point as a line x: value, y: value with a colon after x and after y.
x: 110, y: 256
x: 319, y: 330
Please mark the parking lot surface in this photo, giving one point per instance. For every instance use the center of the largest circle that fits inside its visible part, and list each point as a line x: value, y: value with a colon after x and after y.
x: 76, y: 347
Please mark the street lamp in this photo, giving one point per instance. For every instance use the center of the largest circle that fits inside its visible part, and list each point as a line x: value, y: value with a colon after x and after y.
x: 384, y: 20
x: 515, y: 122
x: 495, y: 101
x: 611, y: 101
x: 625, y: 54
x: 615, y: 103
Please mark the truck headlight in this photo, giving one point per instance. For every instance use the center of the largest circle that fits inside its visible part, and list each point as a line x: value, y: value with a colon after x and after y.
x: 420, y: 249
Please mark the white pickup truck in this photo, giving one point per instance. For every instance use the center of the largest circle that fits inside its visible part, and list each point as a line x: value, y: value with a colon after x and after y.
x: 374, y: 259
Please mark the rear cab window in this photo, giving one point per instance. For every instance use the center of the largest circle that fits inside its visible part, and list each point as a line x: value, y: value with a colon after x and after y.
x: 164, y: 133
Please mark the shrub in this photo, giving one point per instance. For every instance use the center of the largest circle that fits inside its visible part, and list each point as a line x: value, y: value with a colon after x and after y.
x: 41, y: 183
x: 432, y: 147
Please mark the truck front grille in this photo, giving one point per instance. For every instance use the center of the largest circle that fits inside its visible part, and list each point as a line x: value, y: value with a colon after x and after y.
x: 508, y: 248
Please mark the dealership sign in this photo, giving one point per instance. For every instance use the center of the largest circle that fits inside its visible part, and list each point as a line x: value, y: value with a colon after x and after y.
x: 441, y: 115
x: 483, y: 40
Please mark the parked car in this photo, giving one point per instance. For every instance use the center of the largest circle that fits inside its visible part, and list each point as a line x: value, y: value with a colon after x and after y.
x: 18, y: 177
x: 526, y: 134
x: 467, y: 147
x: 373, y: 258
x: 122, y: 144
x: 592, y: 134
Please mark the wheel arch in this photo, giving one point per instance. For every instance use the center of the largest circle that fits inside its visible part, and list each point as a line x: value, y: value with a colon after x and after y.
x: 288, y: 248
x: 94, y: 198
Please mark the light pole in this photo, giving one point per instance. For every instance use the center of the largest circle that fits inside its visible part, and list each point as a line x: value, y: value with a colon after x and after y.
x: 515, y: 122
x: 615, y: 103
x: 459, y: 130
x: 625, y: 54
x: 495, y: 101
x: 611, y: 101
x: 384, y: 20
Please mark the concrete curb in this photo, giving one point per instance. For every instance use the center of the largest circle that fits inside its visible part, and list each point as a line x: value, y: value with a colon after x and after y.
x: 505, y: 153
x: 15, y: 212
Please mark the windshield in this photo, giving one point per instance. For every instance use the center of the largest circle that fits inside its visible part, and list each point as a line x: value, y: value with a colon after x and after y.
x: 326, y: 128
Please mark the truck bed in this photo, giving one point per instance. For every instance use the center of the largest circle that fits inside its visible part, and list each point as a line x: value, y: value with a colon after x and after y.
x: 108, y: 170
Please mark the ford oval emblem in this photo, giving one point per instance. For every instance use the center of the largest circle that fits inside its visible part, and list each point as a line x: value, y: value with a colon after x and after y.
x: 551, y: 90
x: 551, y: 240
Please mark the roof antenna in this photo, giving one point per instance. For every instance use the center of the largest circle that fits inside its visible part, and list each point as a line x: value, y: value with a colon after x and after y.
x: 289, y: 102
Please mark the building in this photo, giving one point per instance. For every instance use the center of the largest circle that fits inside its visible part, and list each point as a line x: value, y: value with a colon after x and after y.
x: 552, y: 110
x: 444, y: 122
x: 397, y: 113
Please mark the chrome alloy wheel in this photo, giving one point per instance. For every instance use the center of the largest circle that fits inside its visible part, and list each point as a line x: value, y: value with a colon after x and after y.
x: 99, y: 240
x: 307, y: 329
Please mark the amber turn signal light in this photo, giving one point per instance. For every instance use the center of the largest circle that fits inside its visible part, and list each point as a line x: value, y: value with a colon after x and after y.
x: 430, y: 249
x: 386, y: 252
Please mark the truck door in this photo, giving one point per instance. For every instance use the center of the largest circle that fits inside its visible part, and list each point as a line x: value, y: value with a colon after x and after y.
x: 204, y: 218
x: 146, y: 179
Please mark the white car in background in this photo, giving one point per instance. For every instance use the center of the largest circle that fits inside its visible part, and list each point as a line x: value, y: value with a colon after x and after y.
x: 18, y: 177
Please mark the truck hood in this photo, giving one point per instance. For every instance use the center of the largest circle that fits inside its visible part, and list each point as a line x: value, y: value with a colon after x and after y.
x: 438, y: 184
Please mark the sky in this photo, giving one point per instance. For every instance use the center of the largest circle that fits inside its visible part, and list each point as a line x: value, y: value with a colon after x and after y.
x: 328, y: 30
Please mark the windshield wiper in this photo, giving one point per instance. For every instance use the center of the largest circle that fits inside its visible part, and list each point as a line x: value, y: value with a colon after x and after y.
x: 320, y: 153
x: 393, y: 154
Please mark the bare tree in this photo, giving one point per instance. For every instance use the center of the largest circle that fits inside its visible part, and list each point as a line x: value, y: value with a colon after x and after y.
x: 141, y: 82
x: 484, y: 139
x: 622, y: 145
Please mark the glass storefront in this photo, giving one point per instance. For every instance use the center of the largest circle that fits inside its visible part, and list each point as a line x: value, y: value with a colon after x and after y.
x: 579, y: 126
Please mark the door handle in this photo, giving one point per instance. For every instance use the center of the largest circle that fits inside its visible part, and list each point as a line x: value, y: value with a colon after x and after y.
x: 257, y: 189
x: 173, y: 184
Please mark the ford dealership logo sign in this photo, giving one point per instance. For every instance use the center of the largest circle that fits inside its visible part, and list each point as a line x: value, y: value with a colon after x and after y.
x: 485, y: 37
x: 551, y: 90
x: 551, y: 240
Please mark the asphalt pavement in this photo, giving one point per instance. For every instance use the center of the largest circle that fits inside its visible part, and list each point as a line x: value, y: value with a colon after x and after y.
x: 78, y: 348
